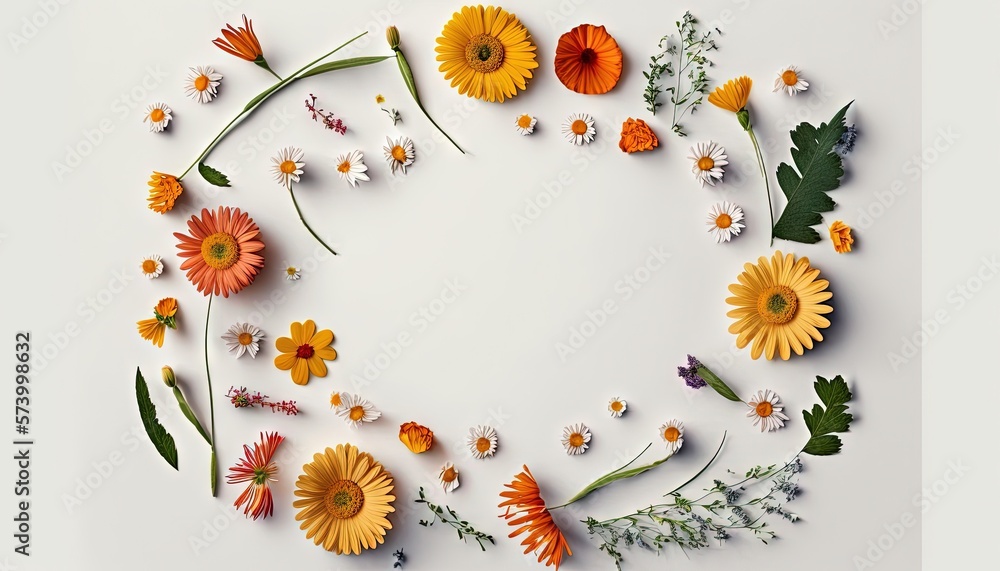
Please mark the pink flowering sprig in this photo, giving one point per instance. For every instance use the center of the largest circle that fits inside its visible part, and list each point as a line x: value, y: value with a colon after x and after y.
x: 242, y: 398
x: 328, y: 120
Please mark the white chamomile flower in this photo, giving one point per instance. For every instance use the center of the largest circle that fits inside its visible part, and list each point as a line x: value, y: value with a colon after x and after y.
x: 292, y: 273
x: 243, y: 338
x: 765, y: 410
x: 725, y: 221
x: 158, y: 115
x: 399, y: 153
x: 448, y: 477
x: 790, y: 81
x: 352, y: 168
x: 202, y: 83
x: 709, y: 158
x: 525, y: 124
x: 672, y: 432
x: 288, y: 165
x: 152, y: 266
x: 356, y: 410
x: 579, y: 129
x: 575, y: 438
x: 482, y: 441
x: 617, y: 406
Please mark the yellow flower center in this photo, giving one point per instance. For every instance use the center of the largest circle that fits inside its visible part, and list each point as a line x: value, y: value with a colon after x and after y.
x: 671, y: 434
x: 484, y: 53
x: 287, y: 167
x: 724, y: 221
x: 201, y: 82
x: 335, y: 399
x: 344, y: 166
x: 789, y: 77
x: 616, y: 406
x: 576, y: 440
x: 777, y: 304
x: 148, y: 266
x: 579, y: 127
x: 483, y: 444
x: 764, y: 409
x: 706, y: 163
x: 291, y: 270
x: 245, y: 338
x: 398, y: 153
x: 524, y: 121
x: 344, y: 499
x: 379, y: 99
x: 357, y: 413
x: 220, y: 251
x: 156, y: 115
x: 449, y: 475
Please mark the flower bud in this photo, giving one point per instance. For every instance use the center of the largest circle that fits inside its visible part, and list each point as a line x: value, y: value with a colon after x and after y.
x: 168, y: 377
x: 392, y: 36
x: 744, y: 118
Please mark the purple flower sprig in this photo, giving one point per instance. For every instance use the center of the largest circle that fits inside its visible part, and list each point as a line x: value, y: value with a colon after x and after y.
x: 242, y: 398
x: 696, y: 375
x: 690, y: 373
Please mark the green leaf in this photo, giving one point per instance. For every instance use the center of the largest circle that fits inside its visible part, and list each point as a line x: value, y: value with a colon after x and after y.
x: 343, y: 64
x: 819, y: 171
x: 716, y: 383
x: 615, y: 475
x: 213, y: 176
x: 264, y: 95
x: 163, y: 442
x: 825, y: 423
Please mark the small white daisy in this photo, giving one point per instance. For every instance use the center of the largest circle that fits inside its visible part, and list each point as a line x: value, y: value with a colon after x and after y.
x: 356, y: 410
x: 579, y: 129
x: 482, y: 441
x: 790, y: 81
x: 575, y: 438
x: 152, y: 266
x: 617, y: 406
x: 202, y: 83
x: 525, y: 124
x: 158, y: 115
x: 448, y: 477
x: 725, y: 220
x: 672, y: 432
x: 292, y: 273
x: 765, y: 409
x: 352, y: 168
x: 243, y: 338
x: 399, y: 153
x: 288, y: 165
x: 709, y: 158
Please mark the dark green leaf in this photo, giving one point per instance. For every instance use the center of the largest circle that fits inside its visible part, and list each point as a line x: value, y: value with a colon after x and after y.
x: 716, y: 383
x: 824, y: 423
x: 823, y: 445
x: 163, y: 442
x: 819, y: 171
x: 213, y: 176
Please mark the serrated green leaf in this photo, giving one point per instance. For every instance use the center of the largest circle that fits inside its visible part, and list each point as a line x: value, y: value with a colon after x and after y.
x: 162, y: 440
x: 824, y: 423
x: 212, y: 176
x: 819, y: 172
x: 823, y: 445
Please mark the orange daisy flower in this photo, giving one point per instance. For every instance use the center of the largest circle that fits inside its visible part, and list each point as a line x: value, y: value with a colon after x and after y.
x: 223, y: 251
x: 164, y: 190
x: 304, y: 352
x: 256, y: 467
x: 733, y: 96
x: 242, y: 43
x: 155, y: 328
x: 416, y: 437
x: 529, y: 512
x: 588, y: 60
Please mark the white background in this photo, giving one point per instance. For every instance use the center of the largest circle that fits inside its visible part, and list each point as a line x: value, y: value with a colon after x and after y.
x: 491, y: 356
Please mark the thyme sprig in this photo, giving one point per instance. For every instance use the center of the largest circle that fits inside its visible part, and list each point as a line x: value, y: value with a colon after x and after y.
x: 448, y: 516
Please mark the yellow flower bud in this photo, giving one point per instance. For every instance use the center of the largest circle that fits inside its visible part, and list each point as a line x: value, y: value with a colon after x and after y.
x: 392, y: 36
x: 168, y: 376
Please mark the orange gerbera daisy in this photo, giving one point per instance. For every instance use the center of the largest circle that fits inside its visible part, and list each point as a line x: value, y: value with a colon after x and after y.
x: 257, y: 468
x: 164, y: 190
x: 529, y: 512
x: 416, y: 437
x: 223, y: 251
x: 164, y: 315
x: 588, y: 60
x: 304, y: 352
x: 242, y: 43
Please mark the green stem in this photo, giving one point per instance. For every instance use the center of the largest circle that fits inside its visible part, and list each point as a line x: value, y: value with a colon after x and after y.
x: 211, y: 397
x: 262, y: 63
x: 763, y: 172
x: 306, y: 224
x: 411, y: 85
x: 189, y: 414
x: 702, y: 471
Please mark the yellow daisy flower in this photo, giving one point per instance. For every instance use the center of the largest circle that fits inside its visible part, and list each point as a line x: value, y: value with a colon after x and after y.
x: 304, y: 352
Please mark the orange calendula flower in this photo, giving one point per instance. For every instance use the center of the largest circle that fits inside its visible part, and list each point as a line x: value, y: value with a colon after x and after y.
x: 258, y: 468
x: 304, y: 352
x: 164, y: 190
x: 733, y: 96
x: 164, y: 315
x: 416, y: 437
x: 525, y: 510
x: 222, y: 251
x: 637, y: 137
x: 242, y: 43
x: 588, y: 60
x: 840, y: 233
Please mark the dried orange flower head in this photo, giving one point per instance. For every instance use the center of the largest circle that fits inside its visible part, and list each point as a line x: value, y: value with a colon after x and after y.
x: 416, y: 437
x: 637, y: 137
x: 840, y: 233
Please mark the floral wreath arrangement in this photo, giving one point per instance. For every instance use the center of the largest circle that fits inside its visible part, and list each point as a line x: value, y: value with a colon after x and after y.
x: 344, y: 496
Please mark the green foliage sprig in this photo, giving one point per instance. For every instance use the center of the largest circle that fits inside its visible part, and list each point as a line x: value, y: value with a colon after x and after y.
x: 448, y: 516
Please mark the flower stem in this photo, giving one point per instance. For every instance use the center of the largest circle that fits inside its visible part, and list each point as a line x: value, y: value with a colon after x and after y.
x: 306, y: 224
x: 763, y: 172
x: 189, y: 414
x: 211, y: 399
x: 411, y: 85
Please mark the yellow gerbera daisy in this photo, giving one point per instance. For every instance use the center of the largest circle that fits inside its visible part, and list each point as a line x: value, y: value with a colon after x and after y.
x: 779, y: 306
x: 305, y: 351
x: 487, y: 53
x: 346, y: 496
